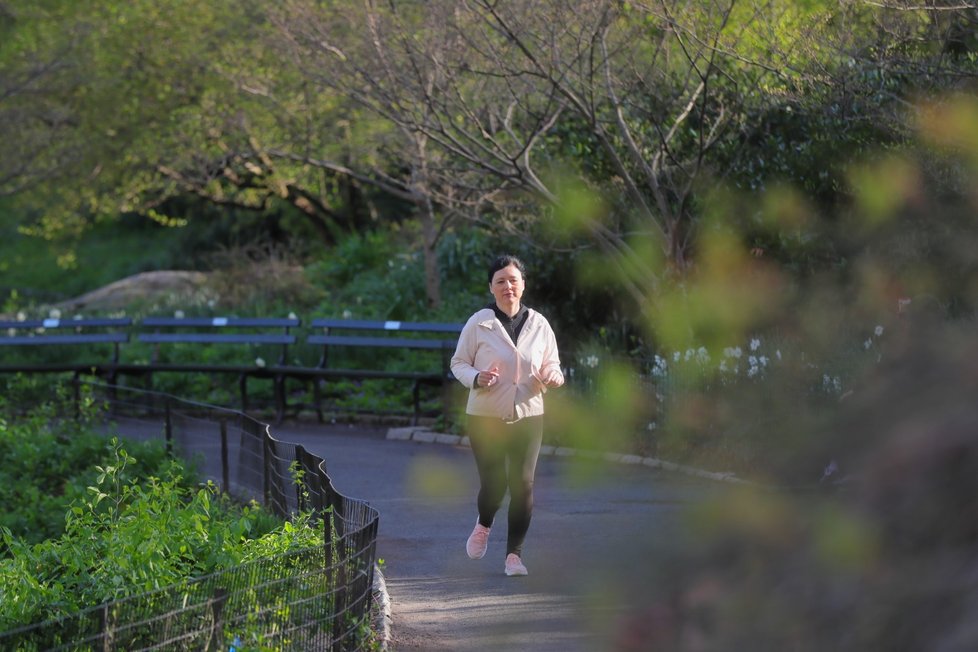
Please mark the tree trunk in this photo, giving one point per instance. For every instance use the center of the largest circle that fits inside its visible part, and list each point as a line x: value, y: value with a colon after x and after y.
x: 429, y: 234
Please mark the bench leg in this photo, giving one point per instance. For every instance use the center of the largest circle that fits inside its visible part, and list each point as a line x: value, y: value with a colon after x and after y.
x: 243, y: 384
x: 280, y: 404
x: 316, y: 399
x: 416, y: 394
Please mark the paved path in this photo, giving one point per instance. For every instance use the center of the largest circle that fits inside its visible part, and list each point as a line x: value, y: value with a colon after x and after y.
x: 594, y: 525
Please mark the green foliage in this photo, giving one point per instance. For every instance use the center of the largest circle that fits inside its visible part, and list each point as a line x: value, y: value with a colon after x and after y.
x: 46, y: 466
x: 31, y: 267
x: 841, y: 567
x: 375, y: 276
x: 127, y: 532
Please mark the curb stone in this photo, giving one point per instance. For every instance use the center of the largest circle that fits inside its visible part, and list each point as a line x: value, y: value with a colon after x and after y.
x: 425, y: 435
x: 382, y: 609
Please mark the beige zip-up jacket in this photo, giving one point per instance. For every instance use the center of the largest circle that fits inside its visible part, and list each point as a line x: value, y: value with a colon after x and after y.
x: 518, y: 390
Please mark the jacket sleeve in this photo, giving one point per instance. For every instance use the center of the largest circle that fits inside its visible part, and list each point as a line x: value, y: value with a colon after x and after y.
x: 462, y: 362
x: 551, y: 357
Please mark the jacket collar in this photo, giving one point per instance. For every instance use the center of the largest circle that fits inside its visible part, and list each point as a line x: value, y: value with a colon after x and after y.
x: 489, y: 321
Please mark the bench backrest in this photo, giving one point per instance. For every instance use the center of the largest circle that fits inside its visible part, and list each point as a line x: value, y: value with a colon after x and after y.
x: 221, y: 330
x: 43, y: 332
x: 392, y: 339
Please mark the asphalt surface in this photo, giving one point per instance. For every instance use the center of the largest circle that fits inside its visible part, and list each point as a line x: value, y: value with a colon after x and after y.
x: 595, y: 526
x: 596, y: 532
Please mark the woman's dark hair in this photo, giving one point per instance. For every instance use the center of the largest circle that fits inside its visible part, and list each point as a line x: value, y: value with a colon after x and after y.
x: 505, y: 261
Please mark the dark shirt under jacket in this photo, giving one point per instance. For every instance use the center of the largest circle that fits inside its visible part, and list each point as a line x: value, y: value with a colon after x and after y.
x: 513, y: 325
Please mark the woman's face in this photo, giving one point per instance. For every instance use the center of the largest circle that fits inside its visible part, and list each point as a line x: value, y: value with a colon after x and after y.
x: 507, y: 286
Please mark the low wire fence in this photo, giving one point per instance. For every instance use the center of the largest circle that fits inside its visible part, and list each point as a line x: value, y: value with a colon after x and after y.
x: 313, y: 599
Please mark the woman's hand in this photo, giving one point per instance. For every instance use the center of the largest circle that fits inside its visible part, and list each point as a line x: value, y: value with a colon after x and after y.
x: 549, y: 378
x: 488, y: 377
x: 553, y: 378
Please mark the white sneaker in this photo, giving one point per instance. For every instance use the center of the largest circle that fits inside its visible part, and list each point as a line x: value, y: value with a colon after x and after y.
x: 478, y: 541
x: 514, y: 565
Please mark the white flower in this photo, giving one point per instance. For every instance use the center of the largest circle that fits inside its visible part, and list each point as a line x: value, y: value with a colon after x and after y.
x: 868, y: 343
x: 689, y: 354
x: 592, y: 361
x: 675, y: 356
x: 753, y: 371
x: 660, y: 368
x: 650, y: 426
x: 21, y: 316
x: 778, y: 353
x: 737, y: 352
x: 259, y: 362
x: 703, y: 355
x: 755, y: 344
x: 292, y: 315
x: 347, y: 314
x: 77, y: 317
x: 878, y: 331
x: 54, y: 314
x: 763, y: 360
x: 752, y: 360
x: 723, y: 365
x: 178, y: 314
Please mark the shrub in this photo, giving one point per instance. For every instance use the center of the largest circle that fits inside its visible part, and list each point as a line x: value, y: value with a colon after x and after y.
x: 117, y: 524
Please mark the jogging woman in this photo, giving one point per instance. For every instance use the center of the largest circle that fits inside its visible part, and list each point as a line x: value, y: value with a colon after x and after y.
x: 507, y: 357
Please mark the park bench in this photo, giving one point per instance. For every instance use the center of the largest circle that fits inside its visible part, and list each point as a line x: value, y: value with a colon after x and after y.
x: 270, y: 334
x: 273, y: 337
x: 376, y: 336
x: 77, y: 346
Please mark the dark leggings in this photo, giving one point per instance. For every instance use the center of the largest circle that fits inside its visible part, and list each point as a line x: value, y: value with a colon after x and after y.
x: 506, y: 456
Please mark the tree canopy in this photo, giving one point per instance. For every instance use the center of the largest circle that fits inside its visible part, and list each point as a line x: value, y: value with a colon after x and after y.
x: 600, y: 125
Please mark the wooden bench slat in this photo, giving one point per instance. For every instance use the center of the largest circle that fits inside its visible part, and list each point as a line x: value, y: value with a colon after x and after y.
x: 221, y: 322
x: 214, y: 338
x: 31, y: 324
x: 386, y: 342
x: 79, y: 338
x: 405, y: 326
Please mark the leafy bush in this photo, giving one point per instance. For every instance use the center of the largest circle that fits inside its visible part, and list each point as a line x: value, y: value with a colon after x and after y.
x: 261, y: 278
x: 46, y: 465
x: 127, y: 524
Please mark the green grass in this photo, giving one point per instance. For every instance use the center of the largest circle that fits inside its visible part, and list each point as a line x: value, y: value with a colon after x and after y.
x: 35, y: 270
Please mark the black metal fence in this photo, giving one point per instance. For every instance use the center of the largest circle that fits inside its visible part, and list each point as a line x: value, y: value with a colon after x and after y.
x: 312, y: 599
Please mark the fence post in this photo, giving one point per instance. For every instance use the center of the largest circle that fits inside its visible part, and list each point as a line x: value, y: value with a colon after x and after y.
x: 105, y: 628
x: 338, y: 561
x: 275, y: 498
x: 217, y: 629
x: 225, y: 464
x: 266, y: 471
x: 301, y: 484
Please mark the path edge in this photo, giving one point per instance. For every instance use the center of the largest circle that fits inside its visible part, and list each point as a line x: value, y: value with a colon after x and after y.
x: 425, y: 435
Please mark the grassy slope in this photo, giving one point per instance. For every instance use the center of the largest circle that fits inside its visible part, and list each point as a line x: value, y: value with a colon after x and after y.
x: 30, y: 266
